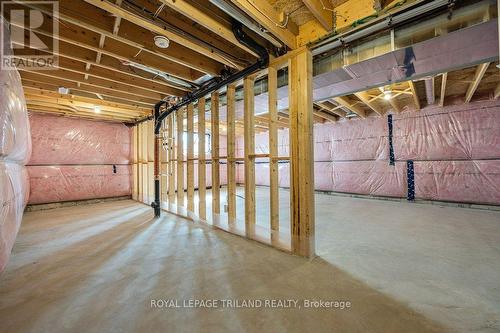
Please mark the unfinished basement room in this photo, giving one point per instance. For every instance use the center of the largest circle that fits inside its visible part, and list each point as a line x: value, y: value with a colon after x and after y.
x: 250, y: 166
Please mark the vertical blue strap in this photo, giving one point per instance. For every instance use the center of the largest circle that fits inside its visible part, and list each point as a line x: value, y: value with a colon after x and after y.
x: 391, y: 148
x: 411, y: 180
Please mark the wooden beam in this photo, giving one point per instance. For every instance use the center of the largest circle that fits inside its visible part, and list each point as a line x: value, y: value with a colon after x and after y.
x: 414, y: 94
x: 322, y: 14
x: 301, y: 157
x: 231, y: 148
x: 36, y: 80
x: 180, y: 157
x: 95, y: 82
x: 214, y: 119
x: 347, y: 103
x: 365, y: 98
x: 202, y: 208
x: 444, y: 78
x: 190, y: 156
x: 326, y: 116
x: 496, y: 93
x: 205, y: 19
x: 249, y: 151
x: 160, y: 29
x: 273, y: 153
x: 480, y: 70
x: 263, y: 13
x: 171, y: 160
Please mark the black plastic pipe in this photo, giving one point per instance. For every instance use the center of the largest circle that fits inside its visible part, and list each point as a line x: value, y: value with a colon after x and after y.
x: 204, y: 90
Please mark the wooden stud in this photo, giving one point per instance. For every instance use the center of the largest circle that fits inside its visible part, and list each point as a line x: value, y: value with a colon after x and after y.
x: 249, y: 149
x: 444, y: 78
x: 231, y: 146
x: 180, y: 157
x: 214, y: 118
x: 416, y: 101
x: 347, y: 103
x: 202, y: 208
x: 190, y: 159
x: 481, y: 69
x: 323, y: 15
x: 273, y: 153
x: 365, y: 98
x: 302, y: 154
x: 171, y: 160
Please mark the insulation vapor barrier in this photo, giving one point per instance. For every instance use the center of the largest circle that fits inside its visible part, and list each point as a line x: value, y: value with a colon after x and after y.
x: 455, y: 151
x: 76, y: 159
x: 15, y: 150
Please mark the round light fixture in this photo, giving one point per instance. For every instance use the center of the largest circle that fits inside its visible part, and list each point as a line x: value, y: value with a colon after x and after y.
x: 63, y: 90
x: 387, y: 94
x: 97, y: 109
x: 162, y: 42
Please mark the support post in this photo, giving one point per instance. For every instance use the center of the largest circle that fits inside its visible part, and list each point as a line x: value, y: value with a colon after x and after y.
x: 180, y: 157
x: 214, y: 116
x: 273, y: 154
x: 249, y: 137
x: 190, y: 159
x: 301, y: 154
x: 171, y: 160
x: 231, y: 162
x: 202, y: 189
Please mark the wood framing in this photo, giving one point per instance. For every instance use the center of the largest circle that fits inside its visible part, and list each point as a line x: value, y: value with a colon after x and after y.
x: 180, y: 156
x: 302, y: 154
x: 444, y: 78
x: 161, y: 30
x: 231, y: 148
x: 214, y: 118
x: 349, y: 104
x: 478, y: 76
x: 202, y: 206
x: 414, y: 94
x: 273, y: 154
x: 321, y: 13
x: 365, y: 98
x: 190, y: 158
x: 249, y: 151
x: 171, y: 159
x: 263, y: 13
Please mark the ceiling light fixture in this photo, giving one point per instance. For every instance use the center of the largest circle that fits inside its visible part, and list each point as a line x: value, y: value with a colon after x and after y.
x: 63, y: 90
x: 162, y: 42
x: 97, y: 109
x: 387, y: 93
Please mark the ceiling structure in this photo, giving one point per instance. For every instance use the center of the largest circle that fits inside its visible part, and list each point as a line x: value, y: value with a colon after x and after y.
x: 114, y: 71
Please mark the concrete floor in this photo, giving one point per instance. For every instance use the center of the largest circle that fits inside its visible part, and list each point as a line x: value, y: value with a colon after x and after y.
x: 404, y: 267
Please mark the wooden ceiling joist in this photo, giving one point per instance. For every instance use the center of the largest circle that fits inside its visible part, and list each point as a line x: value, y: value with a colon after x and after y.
x: 322, y: 14
x: 161, y: 29
x: 350, y: 105
x: 263, y: 13
x: 444, y: 78
x: 205, y: 19
x: 35, y: 81
x: 414, y: 94
x: 365, y: 98
x: 480, y: 70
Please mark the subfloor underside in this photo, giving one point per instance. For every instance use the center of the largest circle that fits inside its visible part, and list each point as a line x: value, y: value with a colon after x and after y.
x: 403, y: 267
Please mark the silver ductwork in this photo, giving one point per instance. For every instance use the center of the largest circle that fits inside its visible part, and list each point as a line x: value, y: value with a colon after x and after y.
x: 429, y: 90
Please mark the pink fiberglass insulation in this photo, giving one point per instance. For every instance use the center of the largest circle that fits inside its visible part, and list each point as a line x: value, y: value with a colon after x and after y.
x: 15, y: 150
x: 14, y: 192
x: 456, y: 132
x: 61, y: 140
x: 78, y: 182
x: 73, y: 159
x: 455, y: 150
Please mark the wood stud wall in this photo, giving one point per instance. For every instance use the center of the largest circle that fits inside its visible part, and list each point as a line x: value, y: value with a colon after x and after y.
x: 301, y: 238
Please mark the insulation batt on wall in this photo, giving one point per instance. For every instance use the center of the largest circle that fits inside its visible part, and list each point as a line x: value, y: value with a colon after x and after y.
x: 73, y: 159
x: 15, y: 150
x: 455, y: 150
